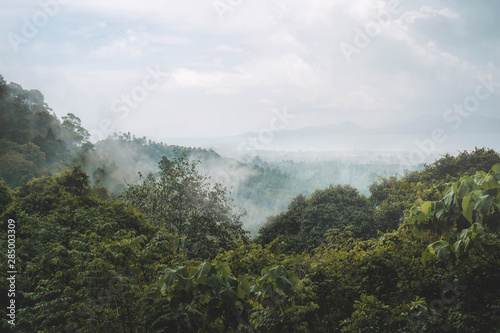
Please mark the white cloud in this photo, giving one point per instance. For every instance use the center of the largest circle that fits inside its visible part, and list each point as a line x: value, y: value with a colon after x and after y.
x: 130, y: 45
x: 166, y: 39
x: 227, y: 48
x: 366, y: 10
x: 446, y: 12
x: 427, y: 12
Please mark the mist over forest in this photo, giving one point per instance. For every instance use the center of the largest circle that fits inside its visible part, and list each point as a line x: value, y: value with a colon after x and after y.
x: 249, y: 166
x: 261, y: 183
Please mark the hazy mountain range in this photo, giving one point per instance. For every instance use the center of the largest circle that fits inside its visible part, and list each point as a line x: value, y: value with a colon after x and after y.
x: 458, y: 133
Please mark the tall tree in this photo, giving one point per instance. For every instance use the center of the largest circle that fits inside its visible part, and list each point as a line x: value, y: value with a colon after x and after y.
x: 185, y: 202
x: 73, y: 125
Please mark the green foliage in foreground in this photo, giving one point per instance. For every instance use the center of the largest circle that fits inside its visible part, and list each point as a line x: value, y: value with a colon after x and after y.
x: 394, y: 198
x: 89, y: 264
x: 220, y: 302
x: 467, y: 217
x: 85, y: 264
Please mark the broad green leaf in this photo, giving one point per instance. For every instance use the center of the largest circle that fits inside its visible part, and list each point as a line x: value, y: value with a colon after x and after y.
x: 467, y: 207
x: 464, y: 238
x: 490, y: 183
x: 283, y: 284
x: 268, y: 290
x: 481, y: 173
x: 444, y: 252
x: 496, y: 168
x: 228, y: 295
x: 203, y: 270
x: 477, y: 227
x: 483, y: 204
x: 241, y: 292
x: 169, y: 277
x: 440, y: 213
x: 243, y: 287
x: 456, y: 246
x: 214, y: 282
x: 465, y: 185
x: 415, y: 210
x: 426, y: 207
x: 448, y: 199
x: 263, y: 278
x: 277, y: 271
x: 225, y: 270
x: 255, y: 288
x: 448, y: 190
x: 441, y: 249
x: 466, y: 233
x: 425, y: 257
x: 183, y: 282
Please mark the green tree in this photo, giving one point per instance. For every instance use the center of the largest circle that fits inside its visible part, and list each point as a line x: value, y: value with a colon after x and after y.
x: 449, y: 168
x: 184, y: 202
x: 33, y: 142
x: 5, y: 196
x: 22, y: 164
x: 303, y: 226
x: 393, y: 197
x: 74, y: 129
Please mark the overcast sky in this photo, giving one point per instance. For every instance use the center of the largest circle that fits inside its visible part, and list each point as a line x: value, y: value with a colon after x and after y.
x: 201, y: 68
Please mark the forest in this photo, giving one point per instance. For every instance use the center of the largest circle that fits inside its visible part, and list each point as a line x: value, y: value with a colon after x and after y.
x: 160, y: 243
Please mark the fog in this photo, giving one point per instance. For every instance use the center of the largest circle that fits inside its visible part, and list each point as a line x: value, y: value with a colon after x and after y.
x: 260, y: 183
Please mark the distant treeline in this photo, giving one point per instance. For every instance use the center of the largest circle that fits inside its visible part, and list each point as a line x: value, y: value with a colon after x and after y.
x: 34, y: 143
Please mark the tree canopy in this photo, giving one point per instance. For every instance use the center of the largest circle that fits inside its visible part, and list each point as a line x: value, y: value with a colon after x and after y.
x: 187, y: 204
x: 303, y: 226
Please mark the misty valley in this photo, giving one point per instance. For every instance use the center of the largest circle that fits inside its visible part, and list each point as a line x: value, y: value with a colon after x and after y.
x: 127, y: 234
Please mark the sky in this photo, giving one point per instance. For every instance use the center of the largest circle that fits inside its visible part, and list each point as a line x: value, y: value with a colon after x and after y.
x: 202, y: 68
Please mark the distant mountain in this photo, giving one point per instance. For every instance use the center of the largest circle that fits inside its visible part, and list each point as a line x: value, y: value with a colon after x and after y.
x: 461, y: 133
x: 345, y: 128
x: 475, y: 124
x: 456, y: 125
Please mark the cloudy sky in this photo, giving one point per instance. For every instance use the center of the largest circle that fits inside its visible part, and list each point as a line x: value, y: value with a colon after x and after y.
x: 203, y: 68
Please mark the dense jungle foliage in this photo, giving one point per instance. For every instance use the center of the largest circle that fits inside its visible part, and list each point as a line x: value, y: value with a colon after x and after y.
x: 169, y: 254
